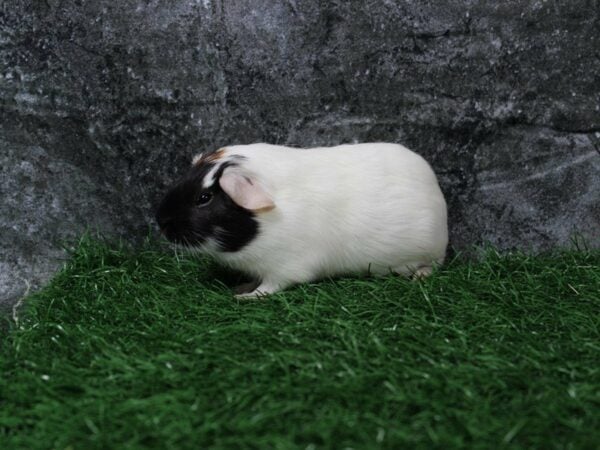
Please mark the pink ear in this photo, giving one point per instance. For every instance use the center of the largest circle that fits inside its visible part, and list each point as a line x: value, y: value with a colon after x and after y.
x: 246, y: 191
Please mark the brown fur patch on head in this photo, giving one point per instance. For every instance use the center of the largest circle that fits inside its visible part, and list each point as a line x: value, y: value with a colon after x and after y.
x: 204, y: 158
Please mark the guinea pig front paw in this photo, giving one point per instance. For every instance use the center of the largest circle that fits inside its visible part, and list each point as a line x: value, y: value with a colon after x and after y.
x: 245, y: 288
x: 263, y: 290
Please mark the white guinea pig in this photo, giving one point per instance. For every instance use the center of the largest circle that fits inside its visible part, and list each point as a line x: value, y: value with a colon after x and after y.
x: 287, y: 215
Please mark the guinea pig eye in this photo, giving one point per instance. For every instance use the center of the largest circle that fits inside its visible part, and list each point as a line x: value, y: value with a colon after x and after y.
x: 204, y: 198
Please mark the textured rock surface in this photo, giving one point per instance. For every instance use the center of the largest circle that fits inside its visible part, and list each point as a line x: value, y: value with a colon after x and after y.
x: 102, y: 104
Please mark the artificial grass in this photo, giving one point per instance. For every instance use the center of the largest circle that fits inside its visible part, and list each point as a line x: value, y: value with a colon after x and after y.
x: 143, y: 349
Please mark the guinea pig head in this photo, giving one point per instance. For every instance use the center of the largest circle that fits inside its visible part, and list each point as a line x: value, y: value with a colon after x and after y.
x: 214, y: 205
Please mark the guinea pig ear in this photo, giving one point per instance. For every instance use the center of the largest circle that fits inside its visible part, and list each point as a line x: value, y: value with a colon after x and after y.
x: 245, y: 191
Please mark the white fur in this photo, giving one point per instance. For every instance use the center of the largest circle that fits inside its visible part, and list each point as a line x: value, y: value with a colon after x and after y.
x: 341, y: 210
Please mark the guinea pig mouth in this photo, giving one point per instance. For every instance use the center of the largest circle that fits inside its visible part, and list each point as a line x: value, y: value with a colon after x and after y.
x: 188, y: 239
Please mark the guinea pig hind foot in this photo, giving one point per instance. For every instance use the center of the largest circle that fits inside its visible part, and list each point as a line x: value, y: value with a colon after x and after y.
x: 415, y: 272
x: 422, y: 272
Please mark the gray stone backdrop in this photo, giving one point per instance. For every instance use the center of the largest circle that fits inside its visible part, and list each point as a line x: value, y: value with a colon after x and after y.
x: 103, y: 102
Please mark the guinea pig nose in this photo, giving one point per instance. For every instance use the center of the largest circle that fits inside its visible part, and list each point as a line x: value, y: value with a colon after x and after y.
x: 163, y: 223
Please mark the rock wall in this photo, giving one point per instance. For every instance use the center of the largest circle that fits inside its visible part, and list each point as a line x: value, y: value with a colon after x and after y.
x: 102, y: 103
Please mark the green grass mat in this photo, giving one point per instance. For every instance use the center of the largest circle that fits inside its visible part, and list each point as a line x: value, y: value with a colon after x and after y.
x: 142, y: 349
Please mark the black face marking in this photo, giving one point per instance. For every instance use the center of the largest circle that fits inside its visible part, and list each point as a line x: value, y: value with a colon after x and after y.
x: 190, y: 214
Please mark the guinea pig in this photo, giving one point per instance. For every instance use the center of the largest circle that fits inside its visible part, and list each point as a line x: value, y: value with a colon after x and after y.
x: 288, y: 215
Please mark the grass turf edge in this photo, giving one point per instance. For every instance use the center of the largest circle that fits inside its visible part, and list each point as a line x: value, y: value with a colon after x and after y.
x: 143, y: 348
